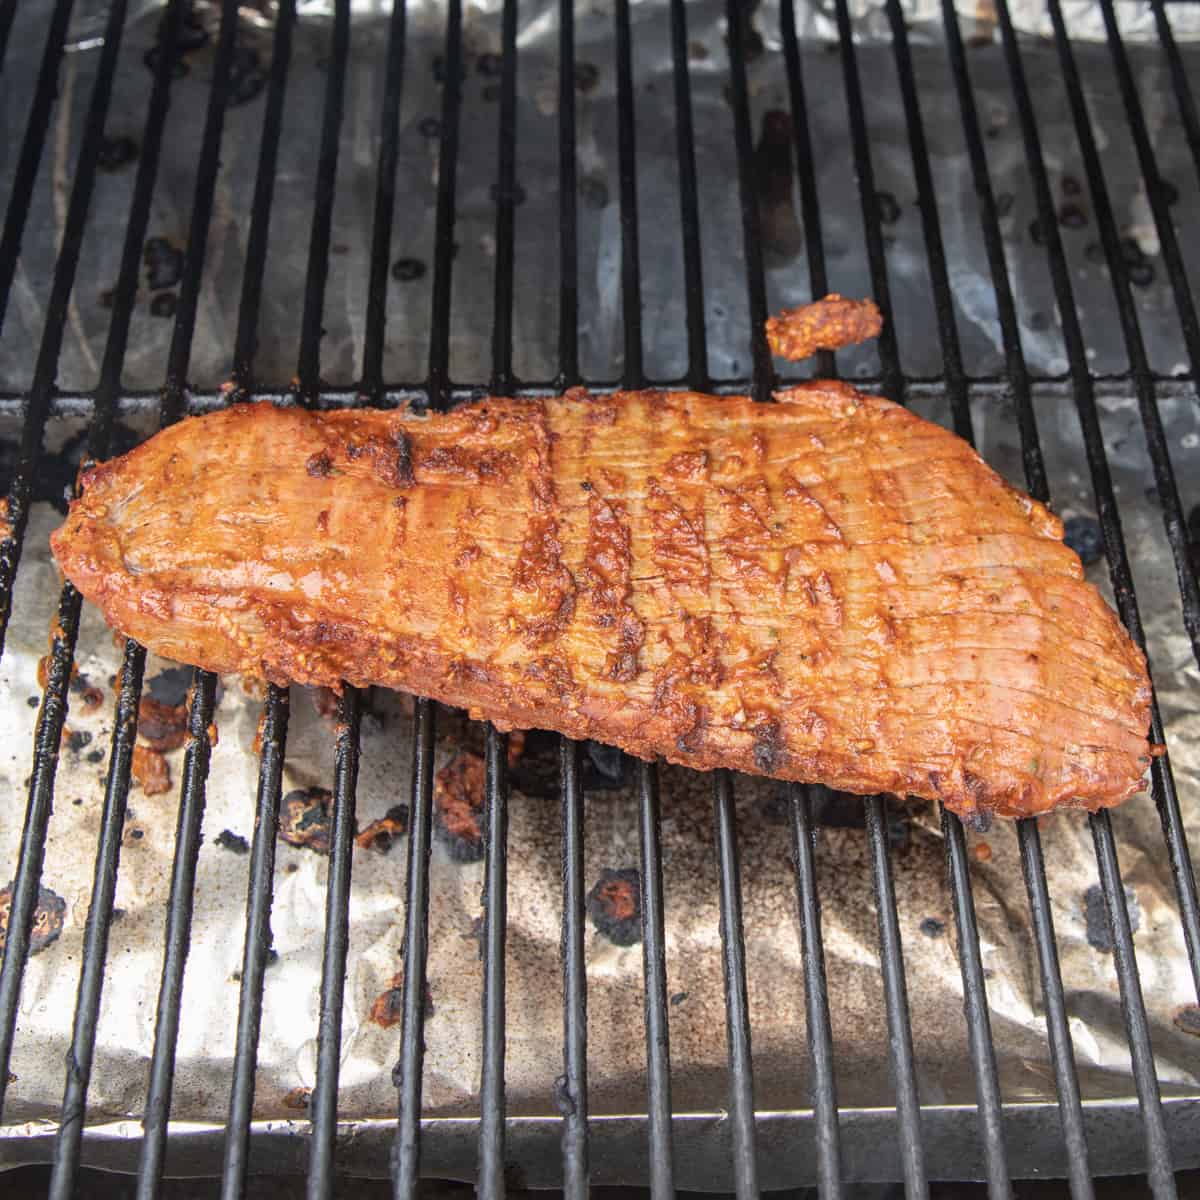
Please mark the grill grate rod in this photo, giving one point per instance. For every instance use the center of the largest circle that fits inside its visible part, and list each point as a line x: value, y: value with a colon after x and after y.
x: 245, y: 344
x: 495, y: 797
x: 53, y: 713
x: 408, y: 1131
x: 1061, y: 1047
x: 25, y: 175
x: 908, y: 1111
x: 322, y: 1151
x: 654, y: 971
x: 571, y: 1086
x: 1179, y: 80
x: 979, y: 1029
x: 571, y: 1094
x: 804, y: 834
x: 178, y: 935
x: 273, y: 730
x: 737, y: 1006
x: 733, y: 949
x: 495, y: 917
x: 323, y: 1103
x: 810, y: 207
x: 1117, y: 560
x: 438, y: 383
x: 375, y: 329
x: 308, y: 373
x: 7, y: 11
x: 689, y: 202
x: 273, y: 734
x: 406, y: 1152
x: 196, y: 759
x: 654, y: 968
x: 816, y: 994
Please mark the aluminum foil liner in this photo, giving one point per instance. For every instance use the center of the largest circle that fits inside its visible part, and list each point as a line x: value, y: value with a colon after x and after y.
x: 776, y: 994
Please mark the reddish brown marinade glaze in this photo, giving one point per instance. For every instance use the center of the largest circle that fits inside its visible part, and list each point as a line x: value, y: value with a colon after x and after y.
x: 827, y: 588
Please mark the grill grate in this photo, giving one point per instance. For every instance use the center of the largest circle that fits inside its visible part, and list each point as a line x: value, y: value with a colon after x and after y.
x: 1002, y: 1156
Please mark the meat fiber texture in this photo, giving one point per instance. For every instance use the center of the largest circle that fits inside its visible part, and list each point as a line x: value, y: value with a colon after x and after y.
x: 825, y: 589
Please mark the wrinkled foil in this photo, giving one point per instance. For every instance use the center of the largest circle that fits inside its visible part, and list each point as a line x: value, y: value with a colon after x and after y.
x: 287, y: 1047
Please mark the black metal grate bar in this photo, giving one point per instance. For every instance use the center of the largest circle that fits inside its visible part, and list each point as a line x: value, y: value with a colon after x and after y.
x: 1061, y: 1048
x: 99, y: 921
x: 571, y: 1087
x: 406, y: 1158
x: 979, y: 1029
x: 46, y: 368
x: 900, y: 1030
x: 737, y: 1015
x: 495, y: 883
x: 246, y: 339
x: 633, y: 373
x: 893, y: 381
x: 309, y: 372
x: 273, y: 737
x: 654, y: 967
x: 568, y: 217
x: 443, y: 254
x: 502, y: 349
x: 1158, y: 1150
x: 931, y: 228
x: 178, y: 935
x: 7, y: 11
x: 689, y: 206
x: 192, y: 795
x: 816, y: 995
x: 1062, y: 1051
x: 1132, y: 1008
x: 53, y: 713
x: 737, y: 1007
x: 763, y: 373
x: 32, y: 144
x: 495, y: 918
x: 385, y: 203
x: 654, y: 970
x: 322, y: 1151
x: 274, y: 721
x: 1179, y: 80
x: 810, y: 208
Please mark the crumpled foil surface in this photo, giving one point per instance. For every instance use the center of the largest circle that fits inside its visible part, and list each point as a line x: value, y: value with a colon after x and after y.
x: 287, y: 1049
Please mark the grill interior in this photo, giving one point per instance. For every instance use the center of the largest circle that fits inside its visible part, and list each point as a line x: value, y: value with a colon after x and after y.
x: 280, y: 346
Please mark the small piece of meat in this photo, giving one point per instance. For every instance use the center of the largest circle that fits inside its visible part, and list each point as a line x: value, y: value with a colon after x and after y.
x: 380, y: 835
x: 615, y: 906
x: 162, y: 727
x: 825, y: 589
x: 827, y: 324
x: 458, y: 807
x: 388, y: 1007
x: 151, y: 771
x: 48, y: 916
x: 304, y: 818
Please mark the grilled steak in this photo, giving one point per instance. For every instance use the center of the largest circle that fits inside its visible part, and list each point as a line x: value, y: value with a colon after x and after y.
x: 825, y: 589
